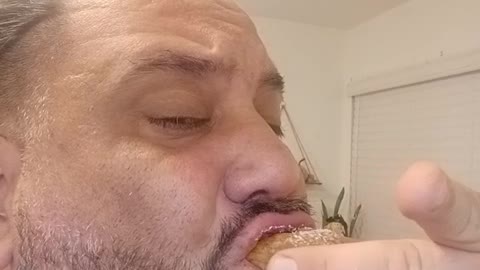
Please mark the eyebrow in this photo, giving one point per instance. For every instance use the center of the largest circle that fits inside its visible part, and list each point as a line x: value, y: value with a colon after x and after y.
x: 171, y: 61
x: 196, y: 66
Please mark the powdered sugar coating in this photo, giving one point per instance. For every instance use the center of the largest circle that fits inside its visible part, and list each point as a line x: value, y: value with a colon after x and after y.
x: 313, y: 238
x: 269, y: 246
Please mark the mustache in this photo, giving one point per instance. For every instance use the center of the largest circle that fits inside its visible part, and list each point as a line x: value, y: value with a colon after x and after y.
x: 250, y: 210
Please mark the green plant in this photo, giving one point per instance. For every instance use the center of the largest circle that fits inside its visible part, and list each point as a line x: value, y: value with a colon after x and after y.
x: 337, y: 220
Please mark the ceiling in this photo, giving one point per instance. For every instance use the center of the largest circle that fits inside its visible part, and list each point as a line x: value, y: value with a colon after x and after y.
x: 340, y: 14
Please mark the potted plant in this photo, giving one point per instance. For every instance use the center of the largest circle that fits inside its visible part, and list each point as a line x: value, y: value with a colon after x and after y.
x: 336, y: 221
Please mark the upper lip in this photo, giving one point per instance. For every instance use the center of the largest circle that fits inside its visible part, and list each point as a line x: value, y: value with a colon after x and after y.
x: 267, y: 224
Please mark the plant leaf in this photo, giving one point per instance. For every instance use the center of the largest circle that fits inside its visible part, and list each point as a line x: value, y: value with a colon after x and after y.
x: 324, y: 214
x: 354, y: 220
x: 339, y: 202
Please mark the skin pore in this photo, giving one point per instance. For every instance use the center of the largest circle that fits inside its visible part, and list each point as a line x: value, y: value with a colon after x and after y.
x: 151, y: 140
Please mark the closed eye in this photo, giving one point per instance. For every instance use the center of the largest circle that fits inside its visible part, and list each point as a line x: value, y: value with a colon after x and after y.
x: 192, y: 123
x: 278, y: 130
x: 179, y: 122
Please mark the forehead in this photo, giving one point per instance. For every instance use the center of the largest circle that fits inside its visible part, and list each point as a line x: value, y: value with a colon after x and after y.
x: 218, y: 29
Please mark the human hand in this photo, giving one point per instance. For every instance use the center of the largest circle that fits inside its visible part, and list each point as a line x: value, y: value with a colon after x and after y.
x: 447, y: 211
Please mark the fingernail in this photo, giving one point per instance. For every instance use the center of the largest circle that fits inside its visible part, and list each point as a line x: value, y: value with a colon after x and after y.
x: 437, y: 195
x: 282, y: 263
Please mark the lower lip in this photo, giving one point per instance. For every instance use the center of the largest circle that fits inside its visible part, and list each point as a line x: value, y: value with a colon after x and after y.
x: 247, y: 240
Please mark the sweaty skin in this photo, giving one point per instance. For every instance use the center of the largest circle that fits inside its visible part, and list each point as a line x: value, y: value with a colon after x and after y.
x: 151, y: 129
x: 148, y: 138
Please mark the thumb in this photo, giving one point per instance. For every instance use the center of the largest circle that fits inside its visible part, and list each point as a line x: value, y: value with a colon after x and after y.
x: 447, y: 211
x: 377, y: 255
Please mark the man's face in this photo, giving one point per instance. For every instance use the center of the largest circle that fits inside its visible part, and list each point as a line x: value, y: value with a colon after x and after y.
x: 153, y: 141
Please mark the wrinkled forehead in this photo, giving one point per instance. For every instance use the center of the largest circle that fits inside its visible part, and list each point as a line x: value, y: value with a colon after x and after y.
x: 202, y: 21
x: 185, y: 9
x: 145, y: 3
x: 218, y: 26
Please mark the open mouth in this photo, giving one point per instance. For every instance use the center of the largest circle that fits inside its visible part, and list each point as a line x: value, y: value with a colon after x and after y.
x: 256, y: 255
x: 273, y: 230
x: 279, y: 224
x: 264, y: 227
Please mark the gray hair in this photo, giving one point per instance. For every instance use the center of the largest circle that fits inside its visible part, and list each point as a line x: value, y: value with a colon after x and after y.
x: 17, y: 16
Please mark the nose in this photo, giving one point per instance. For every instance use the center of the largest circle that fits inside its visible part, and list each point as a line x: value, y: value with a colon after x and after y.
x: 261, y: 165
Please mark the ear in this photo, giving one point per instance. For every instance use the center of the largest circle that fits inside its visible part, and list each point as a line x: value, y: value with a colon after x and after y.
x: 9, y: 172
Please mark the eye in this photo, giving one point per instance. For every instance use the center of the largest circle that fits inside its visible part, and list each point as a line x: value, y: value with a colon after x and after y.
x: 179, y: 123
x: 278, y: 130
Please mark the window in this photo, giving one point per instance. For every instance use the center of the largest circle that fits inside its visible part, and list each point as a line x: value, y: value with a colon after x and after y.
x: 437, y: 120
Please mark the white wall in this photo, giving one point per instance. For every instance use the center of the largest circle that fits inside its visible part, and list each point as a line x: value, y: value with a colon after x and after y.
x: 319, y: 63
x: 309, y: 58
x: 416, y: 33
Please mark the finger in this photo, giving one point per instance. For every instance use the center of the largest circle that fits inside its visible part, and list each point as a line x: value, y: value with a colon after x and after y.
x: 388, y: 255
x: 447, y: 211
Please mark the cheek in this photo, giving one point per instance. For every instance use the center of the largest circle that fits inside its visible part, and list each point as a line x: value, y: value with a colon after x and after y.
x: 161, y: 204
x: 185, y: 192
x: 171, y: 194
x: 178, y: 196
x: 164, y: 199
x: 129, y: 190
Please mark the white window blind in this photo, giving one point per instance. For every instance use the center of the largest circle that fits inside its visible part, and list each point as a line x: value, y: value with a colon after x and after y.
x: 437, y: 121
